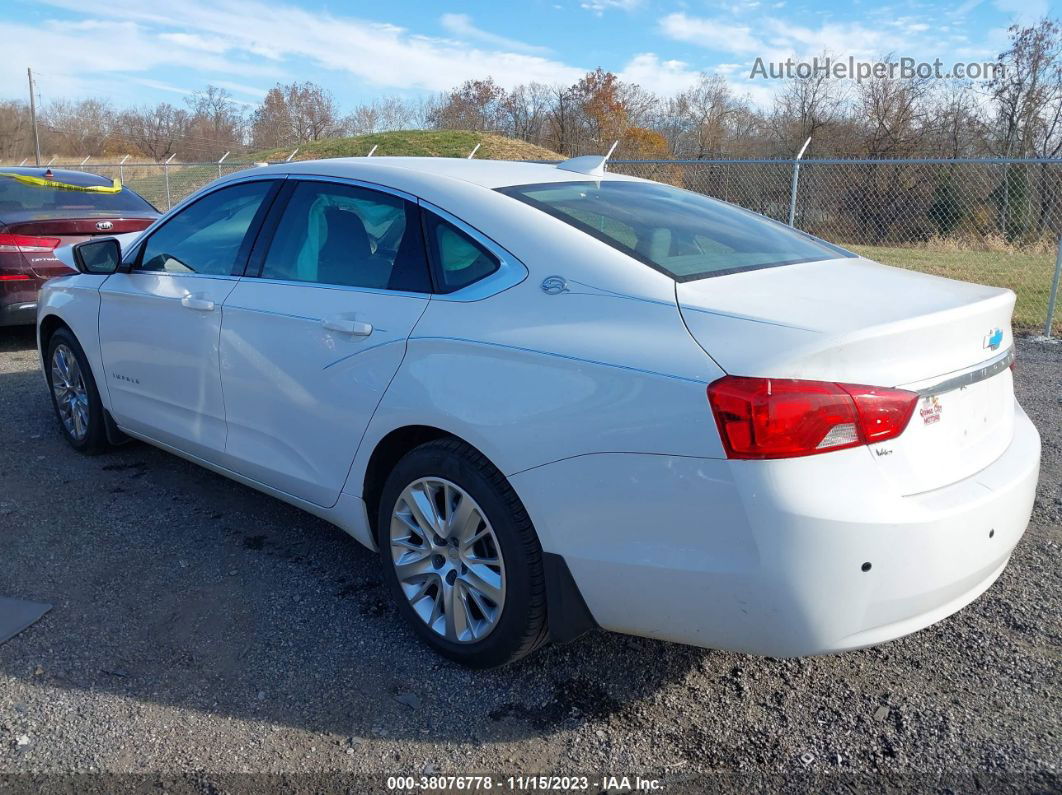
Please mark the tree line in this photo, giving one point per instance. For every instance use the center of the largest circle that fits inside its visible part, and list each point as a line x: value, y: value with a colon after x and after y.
x: 1018, y: 113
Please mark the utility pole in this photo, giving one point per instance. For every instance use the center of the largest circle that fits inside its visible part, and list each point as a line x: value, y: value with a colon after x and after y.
x: 33, y: 116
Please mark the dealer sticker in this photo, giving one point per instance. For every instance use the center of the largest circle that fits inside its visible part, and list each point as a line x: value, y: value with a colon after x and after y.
x: 930, y: 410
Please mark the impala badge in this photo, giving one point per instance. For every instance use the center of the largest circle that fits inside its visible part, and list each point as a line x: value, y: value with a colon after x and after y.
x: 993, y: 339
x: 103, y: 226
x: 554, y: 285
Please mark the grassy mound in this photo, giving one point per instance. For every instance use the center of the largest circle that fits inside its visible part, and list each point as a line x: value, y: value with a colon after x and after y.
x: 416, y: 143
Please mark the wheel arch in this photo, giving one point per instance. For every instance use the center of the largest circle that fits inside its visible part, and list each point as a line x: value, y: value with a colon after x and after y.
x: 387, y: 452
x: 567, y: 615
x: 46, y: 327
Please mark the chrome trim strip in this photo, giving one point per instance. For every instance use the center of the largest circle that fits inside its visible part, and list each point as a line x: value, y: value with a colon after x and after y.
x: 981, y: 373
x: 184, y: 275
x: 510, y: 270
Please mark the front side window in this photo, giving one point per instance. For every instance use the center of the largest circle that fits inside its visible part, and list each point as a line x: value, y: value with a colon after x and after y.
x: 683, y: 234
x: 206, y: 236
x: 350, y: 236
x: 459, y: 260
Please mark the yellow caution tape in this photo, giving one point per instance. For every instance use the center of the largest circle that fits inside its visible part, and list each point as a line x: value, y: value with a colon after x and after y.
x: 49, y: 183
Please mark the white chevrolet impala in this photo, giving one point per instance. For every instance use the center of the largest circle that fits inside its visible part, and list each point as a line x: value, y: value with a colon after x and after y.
x: 554, y: 398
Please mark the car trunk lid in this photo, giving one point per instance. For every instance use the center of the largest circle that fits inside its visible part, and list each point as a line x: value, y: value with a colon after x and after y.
x: 855, y: 321
x: 68, y: 231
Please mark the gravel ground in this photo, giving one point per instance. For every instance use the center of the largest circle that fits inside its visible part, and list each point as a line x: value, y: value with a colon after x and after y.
x: 201, y: 629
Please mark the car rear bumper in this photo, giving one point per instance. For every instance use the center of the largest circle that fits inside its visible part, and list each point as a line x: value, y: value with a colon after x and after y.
x: 18, y: 303
x: 770, y: 557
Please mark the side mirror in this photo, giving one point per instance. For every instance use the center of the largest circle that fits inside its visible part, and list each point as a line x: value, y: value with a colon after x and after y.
x: 98, y: 257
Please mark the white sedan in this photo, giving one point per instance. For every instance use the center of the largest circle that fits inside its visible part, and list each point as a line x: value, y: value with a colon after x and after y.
x: 554, y: 398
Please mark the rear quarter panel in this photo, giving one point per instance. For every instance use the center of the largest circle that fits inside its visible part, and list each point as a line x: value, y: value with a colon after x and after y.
x: 530, y: 378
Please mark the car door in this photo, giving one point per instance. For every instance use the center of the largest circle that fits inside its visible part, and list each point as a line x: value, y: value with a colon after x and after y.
x: 160, y: 321
x: 313, y: 335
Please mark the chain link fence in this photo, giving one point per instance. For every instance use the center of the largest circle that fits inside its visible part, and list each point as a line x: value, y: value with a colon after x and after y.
x: 995, y: 222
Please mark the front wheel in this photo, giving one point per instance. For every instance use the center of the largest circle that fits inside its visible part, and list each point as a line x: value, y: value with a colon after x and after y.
x: 74, y: 395
x: 461, y: 556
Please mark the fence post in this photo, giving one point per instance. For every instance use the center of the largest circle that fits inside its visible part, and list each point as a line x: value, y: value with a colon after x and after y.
x: 166, y: 170
x: 1054, y: 291
x: 796, y: 180
x: 220, y: 162
x: 121, y: 170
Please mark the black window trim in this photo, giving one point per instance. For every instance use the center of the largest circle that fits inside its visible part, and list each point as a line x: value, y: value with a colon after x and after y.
x: 133, y: 263
x: 509, y: 273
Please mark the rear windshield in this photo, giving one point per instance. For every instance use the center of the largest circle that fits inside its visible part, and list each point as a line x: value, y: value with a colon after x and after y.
x: 686, y: 235
x: 17, y: 196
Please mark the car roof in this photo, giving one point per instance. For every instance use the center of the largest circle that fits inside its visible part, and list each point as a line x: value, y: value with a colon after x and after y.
x: 485, y: 173
x: 70, y: 177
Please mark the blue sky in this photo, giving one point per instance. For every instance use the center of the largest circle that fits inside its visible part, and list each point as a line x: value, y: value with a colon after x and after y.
x: 133, y: 51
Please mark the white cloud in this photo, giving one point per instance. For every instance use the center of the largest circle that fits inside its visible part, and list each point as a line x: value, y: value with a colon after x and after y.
x: 379, y: 54
x: 599, y: 7
x: 775, y: 39
x: 194, y: 41
x: 240, y: 88
x: 661, y: 77
x: 716, y: 34
x: 461, y: 25
x: 1024, y: 12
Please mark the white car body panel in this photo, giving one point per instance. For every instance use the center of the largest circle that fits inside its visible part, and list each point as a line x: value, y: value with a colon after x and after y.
x: 300, y: 435
x: 159, y: 344
x: 592, y: 401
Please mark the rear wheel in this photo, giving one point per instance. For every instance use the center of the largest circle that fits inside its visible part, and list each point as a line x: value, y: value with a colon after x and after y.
x: 461, y: 556
x: 74, y: 395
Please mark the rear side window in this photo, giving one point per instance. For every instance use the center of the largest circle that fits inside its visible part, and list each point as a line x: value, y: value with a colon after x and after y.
x: 459, y: 260
x: 18, y: 196
x: 206, y: 237
x: 683, y: 234
x: 350, y: 236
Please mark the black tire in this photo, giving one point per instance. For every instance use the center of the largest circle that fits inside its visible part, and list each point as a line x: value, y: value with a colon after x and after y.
x: 94, y: 440
x: 521, y: 627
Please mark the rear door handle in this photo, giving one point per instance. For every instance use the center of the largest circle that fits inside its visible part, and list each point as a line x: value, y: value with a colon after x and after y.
x: 201, y: 304
x: 355, y: 328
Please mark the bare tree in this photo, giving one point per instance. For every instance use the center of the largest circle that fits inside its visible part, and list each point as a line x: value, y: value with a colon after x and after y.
x: 524, y: 111
x: 803, y: 108
x: 156, y: 131
x: 78, y: 128
x: 216, y: 122
x: 1027, y: 92
x: 294, y: 114
x: 695, y: 121
x: 15, y: 132
x: 474, y: 105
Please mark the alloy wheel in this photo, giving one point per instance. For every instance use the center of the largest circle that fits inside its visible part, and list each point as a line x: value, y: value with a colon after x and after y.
x: 448, y: 560
x: 71, y: 395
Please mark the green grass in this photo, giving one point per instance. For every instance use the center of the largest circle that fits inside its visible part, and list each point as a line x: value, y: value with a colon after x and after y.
x: 1028, y: 275
x: 416, y: 143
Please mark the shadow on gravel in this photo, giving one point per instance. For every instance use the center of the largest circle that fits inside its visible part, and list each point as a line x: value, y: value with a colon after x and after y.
x: 17, y: 338
x: 177, y: 587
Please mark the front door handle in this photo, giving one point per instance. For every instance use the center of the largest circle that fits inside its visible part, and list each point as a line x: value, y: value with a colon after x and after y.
x: 355, y: 328
x: 201, y: 304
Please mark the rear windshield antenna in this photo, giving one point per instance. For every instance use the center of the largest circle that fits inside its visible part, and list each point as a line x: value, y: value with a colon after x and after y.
x: 592, y: 165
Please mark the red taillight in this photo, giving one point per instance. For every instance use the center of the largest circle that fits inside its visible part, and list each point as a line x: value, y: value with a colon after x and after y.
x: 13, y: 244
x: 15, y: 277
x: 784, y: 418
